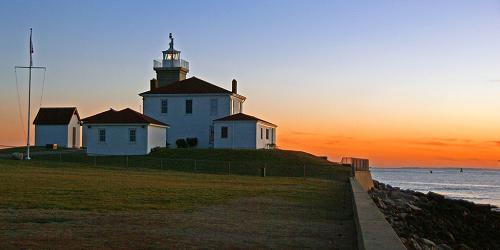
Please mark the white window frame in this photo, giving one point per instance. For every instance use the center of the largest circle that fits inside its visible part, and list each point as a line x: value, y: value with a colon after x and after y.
x: 222, y: 134
x: 130, y: 135
x: 103, y: 135
x: 164, y: 109
x: 186, y: 105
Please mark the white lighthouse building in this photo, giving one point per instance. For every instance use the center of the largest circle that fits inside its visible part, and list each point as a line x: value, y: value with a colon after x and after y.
x: 191, y: 105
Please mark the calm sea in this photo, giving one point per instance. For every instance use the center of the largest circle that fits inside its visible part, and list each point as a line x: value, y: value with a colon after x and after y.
x: 477, y: 185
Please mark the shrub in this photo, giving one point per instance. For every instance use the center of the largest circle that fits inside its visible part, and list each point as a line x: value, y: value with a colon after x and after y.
x: 155, y: 149
x: 192, y: 142
x: 181, y: 143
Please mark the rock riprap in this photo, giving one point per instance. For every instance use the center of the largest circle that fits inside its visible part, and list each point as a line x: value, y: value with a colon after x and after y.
x: 431, y: 221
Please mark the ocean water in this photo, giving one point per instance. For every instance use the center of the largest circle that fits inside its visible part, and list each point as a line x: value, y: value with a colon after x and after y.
x: 476, y: 185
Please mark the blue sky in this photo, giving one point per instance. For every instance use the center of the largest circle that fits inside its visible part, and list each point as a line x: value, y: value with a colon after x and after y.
x: 418, y: 68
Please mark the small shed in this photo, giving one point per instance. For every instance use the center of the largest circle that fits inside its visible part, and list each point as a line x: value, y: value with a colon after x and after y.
x: 242, y: 131
x: 57, y: 125
x: 124, y: 132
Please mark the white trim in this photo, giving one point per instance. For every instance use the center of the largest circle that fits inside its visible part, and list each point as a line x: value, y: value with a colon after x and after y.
x: 125, y: 124
x: 243, y: 98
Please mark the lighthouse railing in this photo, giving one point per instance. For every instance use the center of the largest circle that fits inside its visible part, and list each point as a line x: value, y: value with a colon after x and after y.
x: 171, y: 64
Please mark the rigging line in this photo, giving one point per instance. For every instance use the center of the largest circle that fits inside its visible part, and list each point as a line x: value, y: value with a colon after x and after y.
x: 43, y: 86
x: 19, y: 105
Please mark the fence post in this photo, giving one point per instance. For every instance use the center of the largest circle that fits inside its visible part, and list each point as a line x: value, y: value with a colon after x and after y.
x: 263, y: 170
x: 229, y: 167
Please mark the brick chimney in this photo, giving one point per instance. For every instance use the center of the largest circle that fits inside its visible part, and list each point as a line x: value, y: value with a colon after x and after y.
x: 153, y: 84
x: 234, y: 86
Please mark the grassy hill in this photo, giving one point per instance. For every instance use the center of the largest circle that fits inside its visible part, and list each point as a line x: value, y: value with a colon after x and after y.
x: 261, y: 155
x: 140, y: 203
x: 62, y: 185
x: 284, y: 163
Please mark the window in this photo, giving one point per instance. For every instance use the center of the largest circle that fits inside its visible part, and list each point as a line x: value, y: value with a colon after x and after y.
x: 212, y: 135
x: 223, y: 132
x: 164, y: 106
x: 131, y: 135
x: 267, y: 134
x: 261, y: 134
x: 102, y: 135
x: 213, y: 107
x: 189, y: 106
x: 272, y: 134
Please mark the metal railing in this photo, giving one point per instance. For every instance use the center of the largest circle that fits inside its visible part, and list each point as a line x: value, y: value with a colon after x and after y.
x: 171, y: 64
x: 357, y: 164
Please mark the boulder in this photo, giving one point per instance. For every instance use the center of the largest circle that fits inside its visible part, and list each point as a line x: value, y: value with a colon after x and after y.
x: 415, y: 208
x: 443, y: 247
x: 427, y: 243
x: 18, y: 156
x: 435, y: 196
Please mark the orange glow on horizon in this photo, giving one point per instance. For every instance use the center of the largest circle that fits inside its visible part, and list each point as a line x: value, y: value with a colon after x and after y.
x: 398, y: 152
x: 382, y: 152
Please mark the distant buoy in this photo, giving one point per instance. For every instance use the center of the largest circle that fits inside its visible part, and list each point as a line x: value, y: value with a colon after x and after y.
x: 431, y: 171
x: 461, y: 170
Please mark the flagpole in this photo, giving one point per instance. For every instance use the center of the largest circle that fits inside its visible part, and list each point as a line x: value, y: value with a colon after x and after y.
x: 30, y: 67
x: 29, y: 97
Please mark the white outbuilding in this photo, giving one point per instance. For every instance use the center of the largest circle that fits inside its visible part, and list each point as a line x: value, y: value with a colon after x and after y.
x: 242, y: 131
x: 124, y: 132
x: 57, y: 125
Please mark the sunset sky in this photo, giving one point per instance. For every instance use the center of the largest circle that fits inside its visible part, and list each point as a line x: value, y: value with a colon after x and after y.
x: 403, y: 83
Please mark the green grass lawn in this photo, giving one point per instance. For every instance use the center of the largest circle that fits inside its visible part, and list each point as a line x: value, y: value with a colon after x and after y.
x: 284, y: 163
x: 78, y: 186
x: 23, y: 149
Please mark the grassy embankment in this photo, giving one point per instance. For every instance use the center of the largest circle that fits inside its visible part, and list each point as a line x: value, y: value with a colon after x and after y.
x: 47, y: 183
x: 283, y: 163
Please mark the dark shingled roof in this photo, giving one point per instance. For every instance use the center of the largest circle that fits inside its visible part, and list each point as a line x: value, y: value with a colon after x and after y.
x: 243, y: 117
x: 123, y: 116
x: 191, y: 85
x: 55, y: 116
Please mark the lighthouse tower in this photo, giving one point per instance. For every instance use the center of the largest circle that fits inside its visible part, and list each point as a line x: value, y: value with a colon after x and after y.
x: 171, y: 68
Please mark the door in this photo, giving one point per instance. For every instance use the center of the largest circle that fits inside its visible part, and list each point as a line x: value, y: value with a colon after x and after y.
x: 211, y: 136
x: 74, y: 137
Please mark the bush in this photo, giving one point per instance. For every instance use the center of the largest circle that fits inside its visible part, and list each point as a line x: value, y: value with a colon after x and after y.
x: 181, y: 143
x: 155, y: 149
x: 192, y: 142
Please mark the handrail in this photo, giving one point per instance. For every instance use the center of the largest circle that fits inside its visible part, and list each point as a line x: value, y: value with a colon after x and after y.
x: 171, y: 64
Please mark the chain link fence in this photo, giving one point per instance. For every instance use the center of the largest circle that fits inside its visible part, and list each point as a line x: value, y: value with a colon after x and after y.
x: 253, y: 168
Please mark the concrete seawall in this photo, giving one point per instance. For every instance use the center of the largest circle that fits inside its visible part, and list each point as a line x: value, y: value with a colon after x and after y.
x: 373, y: 231
x: 365, y: 179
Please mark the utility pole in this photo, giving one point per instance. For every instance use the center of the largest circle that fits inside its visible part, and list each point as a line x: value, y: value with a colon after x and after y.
x: 29, y: 92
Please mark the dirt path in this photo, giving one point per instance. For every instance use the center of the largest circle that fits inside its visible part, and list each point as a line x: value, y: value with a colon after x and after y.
x: 243, y: 223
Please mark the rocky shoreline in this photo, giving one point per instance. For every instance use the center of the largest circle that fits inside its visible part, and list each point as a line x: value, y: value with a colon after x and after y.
x: 431, y: 221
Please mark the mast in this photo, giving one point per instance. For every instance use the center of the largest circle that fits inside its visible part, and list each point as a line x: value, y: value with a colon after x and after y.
x: 29, y: 97
x: 30, y: 68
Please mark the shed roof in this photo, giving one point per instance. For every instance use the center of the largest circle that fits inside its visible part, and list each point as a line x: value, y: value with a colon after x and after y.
x: 124, y: 116
x: 243, y: 117
x: 55, y: 116
x: 191, y: 85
